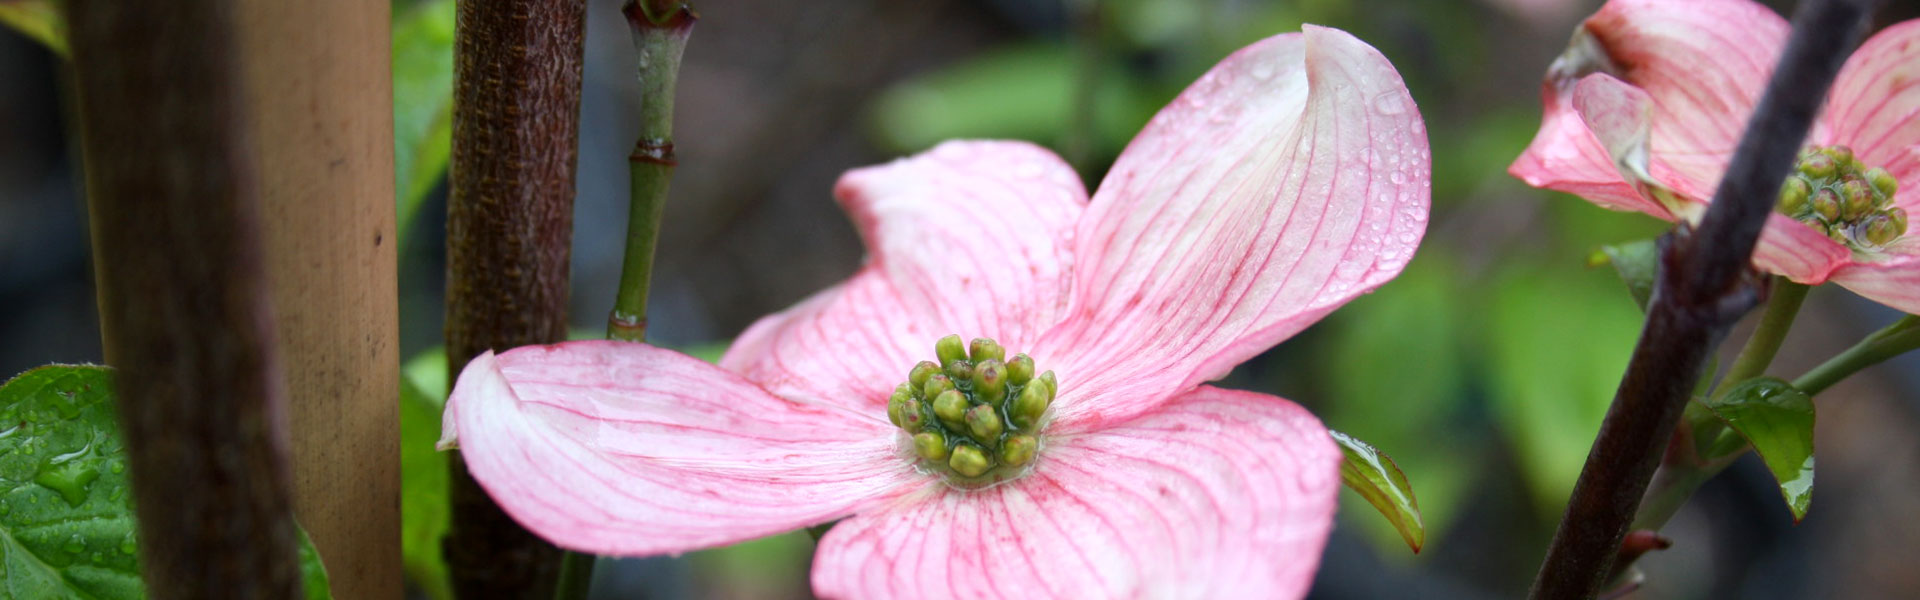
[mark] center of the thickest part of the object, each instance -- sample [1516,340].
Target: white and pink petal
[969,238]
[626,449]
[1874,106]
[1218,493]
[1286,181]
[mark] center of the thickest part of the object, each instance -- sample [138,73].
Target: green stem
[1079,142]
[1760,348]
[660,30]
[1894,340]
[576,576]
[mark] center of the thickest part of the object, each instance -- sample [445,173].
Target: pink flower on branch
[1644,109]
[1092,462]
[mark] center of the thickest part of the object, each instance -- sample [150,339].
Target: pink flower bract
[1644,111]
[1288,180]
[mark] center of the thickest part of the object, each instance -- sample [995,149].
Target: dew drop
[74,545]
[1262,71]
[126,544]
[1397,178]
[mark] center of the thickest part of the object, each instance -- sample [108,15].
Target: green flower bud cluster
[975,416]
[1852,203]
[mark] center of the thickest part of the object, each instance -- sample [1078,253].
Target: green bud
[1020,369]
[930,445]
[1856,199]
[1053,387]
[1842,155]
[985,349]
[1018,450]
[990,382]
[936,384]
[918,376]
[1899,218]
[960,370]
[1826,204]
[1817,165]
[950,349]
[1029,407]
[985,424]
[968,460]
[1882,181]
[913,415]
[951,407]
[897,405]
[1793,195]
[1879,230]
[1837,232]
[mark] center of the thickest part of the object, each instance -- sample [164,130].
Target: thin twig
[1706,283]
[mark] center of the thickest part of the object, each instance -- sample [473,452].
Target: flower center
[975,416]
[1852,203]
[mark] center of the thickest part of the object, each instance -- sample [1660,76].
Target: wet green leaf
[1373,475]
[67,513]
[1638,263]
[1778,420]
[422,102]
[37,19]
[424,509]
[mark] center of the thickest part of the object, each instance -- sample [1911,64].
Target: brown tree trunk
[517,73]
[318,80]
[172,192]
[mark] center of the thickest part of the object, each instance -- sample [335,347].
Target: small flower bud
[1028,408]
[969,461]
[950,349]
[935,385]
[1053,387]
[984,349]
[1826,204]
[1018,450]
[1879,230]
[990,382]
[1817,165]
[1899,218]
[1842,155]
[1882,181]
[918,376]
[1856,199]
[984,423]
[1020,369]
[930,445]
[951,407]
[1793,196]
[897,405]
[913,416]
[1837,231]
[960,370]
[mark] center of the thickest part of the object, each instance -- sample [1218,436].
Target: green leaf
[67,526]
[424,510]
[1373,475]
[37,19]
[1778,420]
[1558,340]
[422,102]
[1638,263]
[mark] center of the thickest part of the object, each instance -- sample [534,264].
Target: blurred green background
[1483,370]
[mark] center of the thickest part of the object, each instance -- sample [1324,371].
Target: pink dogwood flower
[1092,463]
[1644,109]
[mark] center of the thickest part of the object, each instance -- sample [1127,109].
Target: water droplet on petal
[1397,178]
[1262,71]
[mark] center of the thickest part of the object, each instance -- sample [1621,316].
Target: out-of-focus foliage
[37,19]
[1637,263]
[1374,476]
[1778,420]
[67,526]
[424,510]
[422,101]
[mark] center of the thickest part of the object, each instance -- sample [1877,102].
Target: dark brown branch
[1705,285]
[172,195]
[517,74]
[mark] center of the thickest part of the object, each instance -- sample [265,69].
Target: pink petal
[626,449]
[970,238]
[1287,180]
[1875,105]
[1893,281]
[1620,117]
[1702,63]
[1791,248]
[1568,156]
[1215,494]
